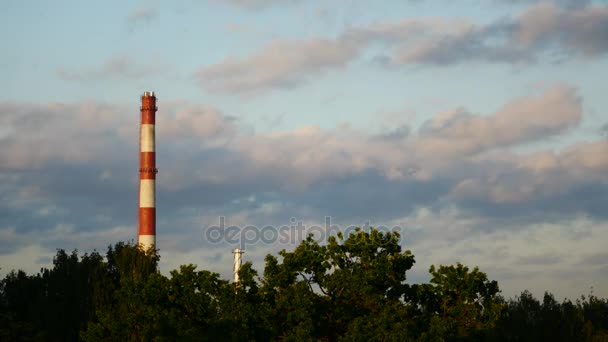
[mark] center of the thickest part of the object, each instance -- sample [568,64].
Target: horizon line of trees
[349,289]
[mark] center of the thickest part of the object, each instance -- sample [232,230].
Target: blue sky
[478,127]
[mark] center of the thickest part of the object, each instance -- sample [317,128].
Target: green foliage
[461,303]
[55,303]
[527,319]
[349,289]
[319,291]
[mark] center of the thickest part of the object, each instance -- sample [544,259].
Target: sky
[477,129]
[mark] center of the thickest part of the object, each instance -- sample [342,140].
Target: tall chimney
[147,173]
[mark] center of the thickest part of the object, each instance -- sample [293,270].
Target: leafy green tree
[323,291]
[528,319]
[349,289]
[595,313]
[56,303]
[125,310]
[459,304]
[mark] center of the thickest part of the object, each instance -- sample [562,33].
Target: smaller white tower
[238,261]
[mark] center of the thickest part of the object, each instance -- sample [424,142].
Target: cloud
[577,32]
[142,15]
[542,32]
[599,259]
[207,158]
[534,255]
[120,68]
[74,182]
[569,4]
[258,4]
[604,129]
[281,64]
[53,128]
[540,260]
[542,29]
[286,64]
[544,185]
[523,120]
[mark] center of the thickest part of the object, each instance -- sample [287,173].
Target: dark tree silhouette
[348,289]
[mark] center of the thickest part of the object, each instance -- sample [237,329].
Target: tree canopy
[352,288]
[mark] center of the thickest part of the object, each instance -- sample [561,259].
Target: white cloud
[452,199]
[523,39]
[143,14]
[280,64]
[519,121]
[520,256]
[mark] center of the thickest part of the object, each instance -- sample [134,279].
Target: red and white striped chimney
[147,173]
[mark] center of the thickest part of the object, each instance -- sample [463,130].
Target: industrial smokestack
[147,173]
[238,261]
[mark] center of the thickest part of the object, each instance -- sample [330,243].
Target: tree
[349,289]
[124,310]
[324,291]
[459,304]
[56,303]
